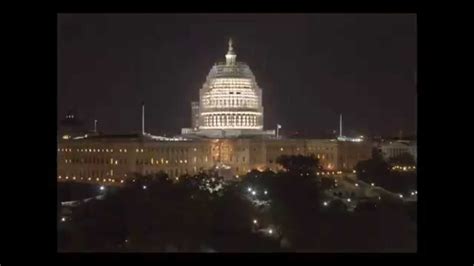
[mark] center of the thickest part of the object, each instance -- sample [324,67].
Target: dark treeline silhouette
[299,163]
[379,171]
[159,214]
[306,225]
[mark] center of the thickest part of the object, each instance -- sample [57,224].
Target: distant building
[392,149]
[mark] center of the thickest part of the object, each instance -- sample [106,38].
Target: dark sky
[310,68]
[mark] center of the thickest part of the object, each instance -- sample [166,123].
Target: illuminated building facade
[111,159]
[230,101]
[395,148]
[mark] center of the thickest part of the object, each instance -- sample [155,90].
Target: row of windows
[151,161]
[95,160]
[230,120]
[237,158]
[178,171]
[97,179]
[298,149]
[398,151]
[320,148]
[208,119]
[319,156]
[157,162]
[90,150]
[167,150]
[231,102]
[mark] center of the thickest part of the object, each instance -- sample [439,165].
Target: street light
[265,192]
[144,187]
[249,189]
[325,203]
[400,195]
[63,219]
[254,193]
[270,231]
[349,200]
[372,184]
[254,221]
[356,185]
[102,188]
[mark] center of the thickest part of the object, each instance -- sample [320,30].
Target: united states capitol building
[230,102]
[227,134]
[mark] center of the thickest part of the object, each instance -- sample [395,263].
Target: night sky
[310,68]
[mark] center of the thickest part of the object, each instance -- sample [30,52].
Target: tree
[327,183]
[373,170]
[378,171]
[164,214]
[298,163]
[295,200]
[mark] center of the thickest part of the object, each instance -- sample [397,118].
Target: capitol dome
[230,98]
